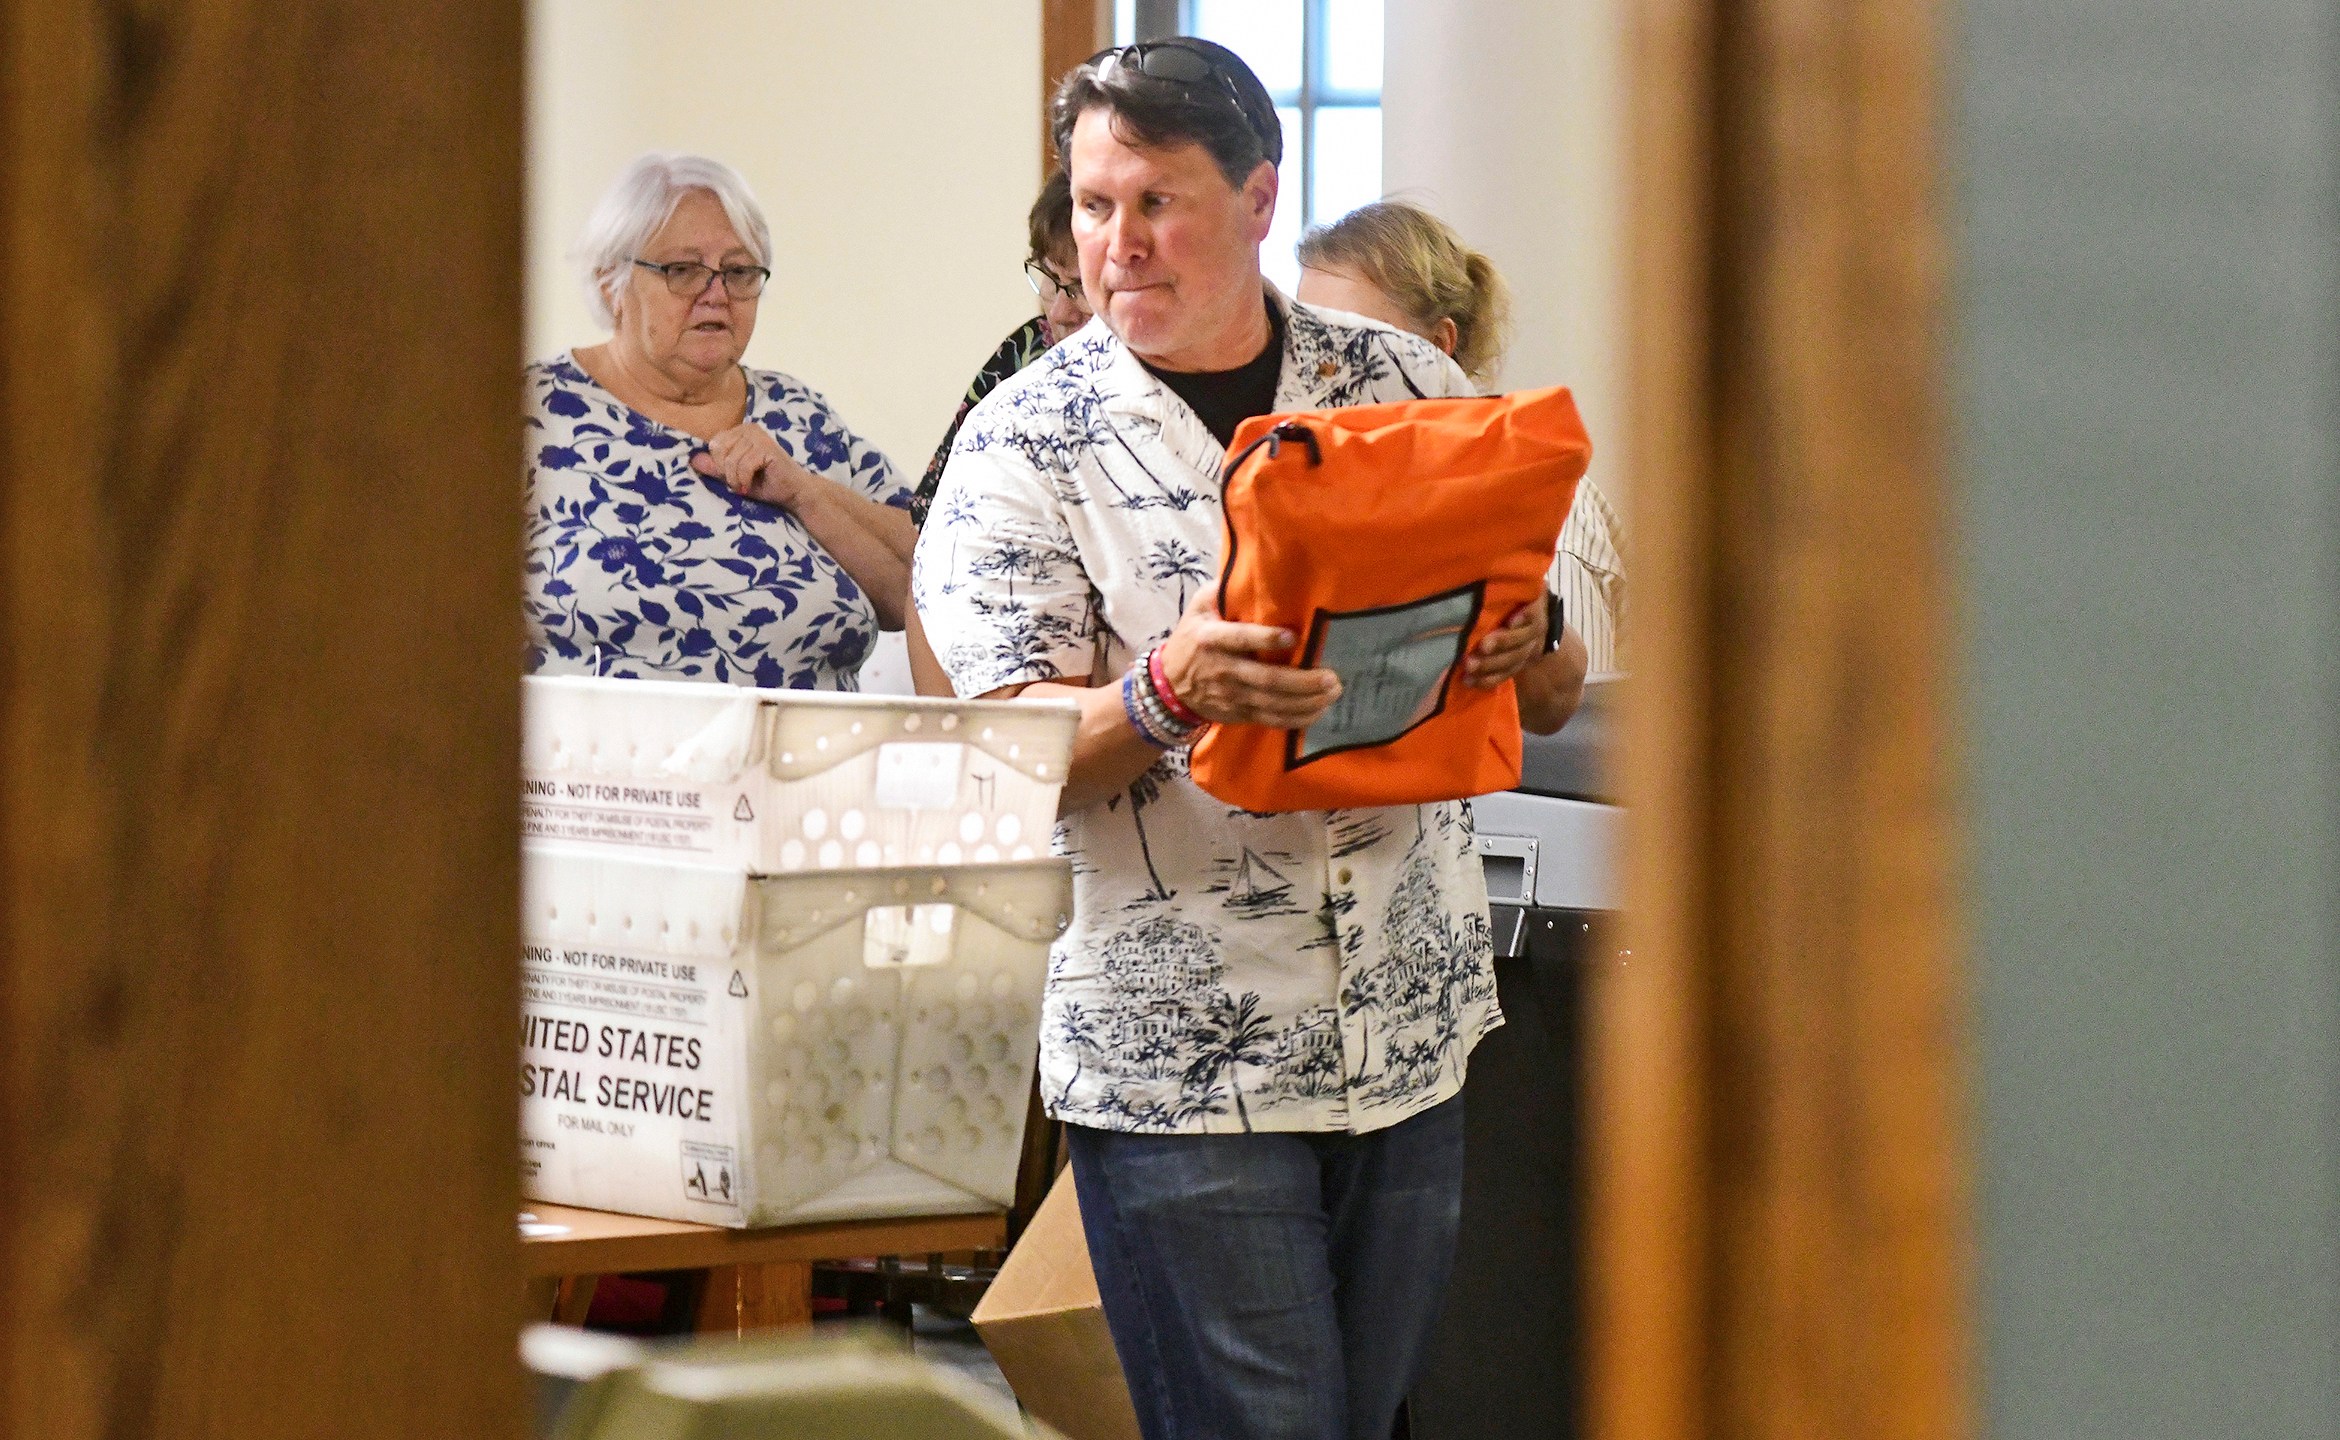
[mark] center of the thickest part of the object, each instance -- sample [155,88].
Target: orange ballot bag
[1391,539]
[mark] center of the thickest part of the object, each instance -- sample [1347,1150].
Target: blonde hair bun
[1426,270]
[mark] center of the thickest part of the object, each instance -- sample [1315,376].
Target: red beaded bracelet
[1178,708]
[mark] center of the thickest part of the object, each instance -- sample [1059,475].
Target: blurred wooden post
[1070,32]
[1778,1172]
[259,451]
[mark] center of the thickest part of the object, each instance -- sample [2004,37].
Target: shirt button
[1343,877]
[1327,369]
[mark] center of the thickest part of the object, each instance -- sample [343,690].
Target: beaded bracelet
[1158,715]
[1174,717]
[1130,708]
[1149,715]
[1160,718]
[1160,677]
[1143,718]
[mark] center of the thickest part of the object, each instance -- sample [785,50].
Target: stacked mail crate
[783,951]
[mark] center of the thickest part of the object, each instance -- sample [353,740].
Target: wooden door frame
[259,441]
[1777,1189]
[1070,32]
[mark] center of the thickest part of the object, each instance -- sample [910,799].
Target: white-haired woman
[689,518]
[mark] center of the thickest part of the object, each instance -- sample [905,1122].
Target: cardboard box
[699,1043]
[778,781]
[1045,1327]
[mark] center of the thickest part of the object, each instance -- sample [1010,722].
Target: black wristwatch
[1555,620]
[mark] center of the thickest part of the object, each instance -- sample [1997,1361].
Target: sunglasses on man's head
[1178,64]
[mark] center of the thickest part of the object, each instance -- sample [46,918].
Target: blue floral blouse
[640,567]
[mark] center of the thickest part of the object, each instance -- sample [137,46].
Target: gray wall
[2147,242]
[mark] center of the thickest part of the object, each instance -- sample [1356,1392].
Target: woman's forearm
[834,516]
[888,524]
[1552,687]
[927,675]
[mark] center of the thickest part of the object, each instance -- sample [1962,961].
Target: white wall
[893,143]
[1505,118]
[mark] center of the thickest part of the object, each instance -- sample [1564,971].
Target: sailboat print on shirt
[1253,887]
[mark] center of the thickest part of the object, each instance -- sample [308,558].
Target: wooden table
[757,1279]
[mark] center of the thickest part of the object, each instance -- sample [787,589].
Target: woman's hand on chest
[749,460]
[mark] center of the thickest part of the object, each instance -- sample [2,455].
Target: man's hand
[1512,647]
[1208,661]
[750,461]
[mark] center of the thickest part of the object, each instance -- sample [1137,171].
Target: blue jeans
[1272,1286]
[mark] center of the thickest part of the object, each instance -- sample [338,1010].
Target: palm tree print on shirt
[1233,1035]
[958,514]
[1010,558]
[1144,791]
[1077,1030]
[1174,561]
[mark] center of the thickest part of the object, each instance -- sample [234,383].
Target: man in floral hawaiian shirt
[1257,1024]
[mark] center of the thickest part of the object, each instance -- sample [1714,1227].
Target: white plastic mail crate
[701,1044]
[783,780]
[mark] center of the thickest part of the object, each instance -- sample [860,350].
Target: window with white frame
[1321,63]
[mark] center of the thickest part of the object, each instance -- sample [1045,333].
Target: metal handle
[1510,865]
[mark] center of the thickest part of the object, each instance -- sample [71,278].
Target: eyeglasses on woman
[689,278]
